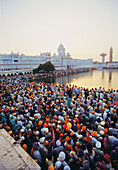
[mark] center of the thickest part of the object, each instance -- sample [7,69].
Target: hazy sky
[85,27]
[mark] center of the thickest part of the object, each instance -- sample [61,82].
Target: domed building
[61,51]
[61,62]
[14,63]
[68,55]
[54,55]
[65,62]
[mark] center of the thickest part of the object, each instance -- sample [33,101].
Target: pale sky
[86,28]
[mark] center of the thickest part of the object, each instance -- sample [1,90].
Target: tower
[103,57]
[61,53]
[61,50]
[110,55]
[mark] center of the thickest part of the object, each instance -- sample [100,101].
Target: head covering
[106,130]
[67,138]
[10,132]
[45,125]
[79,136]
[22,137]
[46,130]
[100,139]
[50,167]
[24,147]
[42,140]
[83,127]
[92,111]
[57,129]
[101,132]
[58,143]
[98,145]
[102,123]
[36,116]
[72,154]
[88,139]
[69,147]
[94,133]
[53,124]
[37,133]
[67,167]
[39,123]
[22,130]
[57,164]
[61,156]
[69,125]
[107,158]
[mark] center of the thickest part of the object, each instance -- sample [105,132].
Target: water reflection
[47,80]
[103,74]
[69,79]
[93,79]
[110,75]
[104,78]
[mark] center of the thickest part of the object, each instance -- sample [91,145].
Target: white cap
[18,118]
[79,136]
[22,130]
[101,132]
[98,145]
[102,123]
[53,124]
[42,140]
[62,156]
[22,137]
[46,130]
[37,133]
[66,167]
[58,143]
[57,164]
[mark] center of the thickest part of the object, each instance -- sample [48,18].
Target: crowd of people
[61,126]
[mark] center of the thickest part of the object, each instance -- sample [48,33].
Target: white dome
[68,55]
[61,46]
[54,55]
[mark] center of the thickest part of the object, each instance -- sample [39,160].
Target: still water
[93,79]
[96,78]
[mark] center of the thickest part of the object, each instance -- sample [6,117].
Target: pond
[93,79]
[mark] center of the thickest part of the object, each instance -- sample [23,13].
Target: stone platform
[13,156]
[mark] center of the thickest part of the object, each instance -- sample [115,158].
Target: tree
[48,66]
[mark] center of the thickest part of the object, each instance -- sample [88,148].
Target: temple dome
[61,46]
[68,55]
[54,55]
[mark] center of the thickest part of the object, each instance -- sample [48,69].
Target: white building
[111,65]
[61,61]
[107,65]
[78,63]
[20,63]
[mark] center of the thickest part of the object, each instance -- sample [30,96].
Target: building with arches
[21,63]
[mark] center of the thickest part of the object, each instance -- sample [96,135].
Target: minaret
[61,53]
[110,55]
[103,57]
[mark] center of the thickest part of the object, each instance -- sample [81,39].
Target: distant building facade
[22,63]
[107,65]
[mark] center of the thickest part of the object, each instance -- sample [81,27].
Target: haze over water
[87,28]
[93,79]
